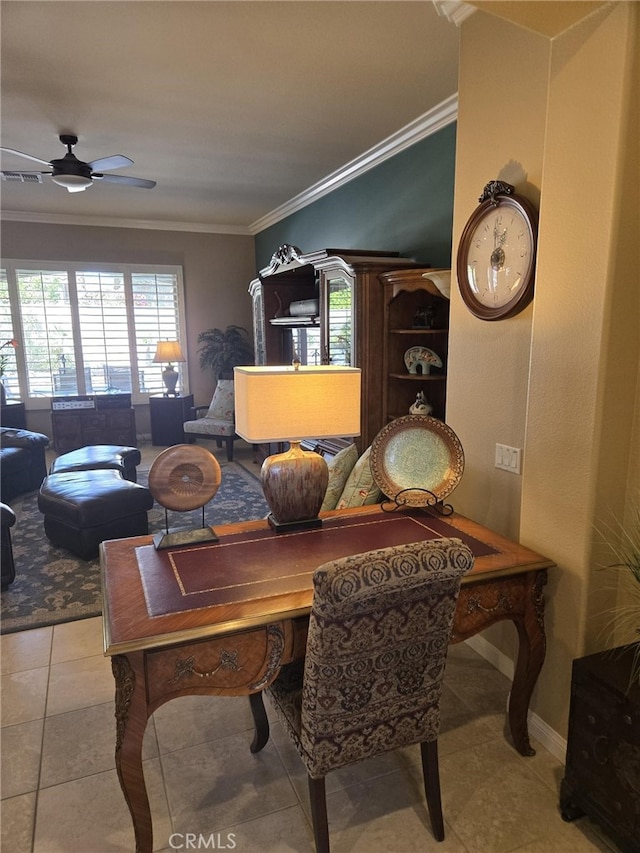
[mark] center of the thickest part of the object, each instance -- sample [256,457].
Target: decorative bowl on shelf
[421,360]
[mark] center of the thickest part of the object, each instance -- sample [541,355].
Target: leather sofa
[7,567]
[22,462]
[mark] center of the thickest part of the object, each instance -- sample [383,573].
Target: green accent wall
[403,205]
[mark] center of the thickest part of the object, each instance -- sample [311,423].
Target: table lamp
[276,403]
[169,351]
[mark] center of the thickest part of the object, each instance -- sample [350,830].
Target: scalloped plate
[413,453]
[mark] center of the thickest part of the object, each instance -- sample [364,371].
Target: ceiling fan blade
[28,156]
[126,179]
[116,161]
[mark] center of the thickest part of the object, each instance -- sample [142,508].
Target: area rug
[54,586]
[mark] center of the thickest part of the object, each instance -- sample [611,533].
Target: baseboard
[538,729]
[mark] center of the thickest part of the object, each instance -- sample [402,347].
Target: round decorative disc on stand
[182,478]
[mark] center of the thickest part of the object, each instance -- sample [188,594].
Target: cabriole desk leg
[131,721]
[260,722]
[518,599]
[532,648]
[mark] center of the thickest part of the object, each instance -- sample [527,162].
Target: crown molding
[422,127]
[425,125]
[115,222]
[453,10]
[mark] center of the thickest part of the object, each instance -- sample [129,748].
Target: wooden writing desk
[223,618]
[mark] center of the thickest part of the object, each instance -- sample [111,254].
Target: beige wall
[217,270]
[559,380]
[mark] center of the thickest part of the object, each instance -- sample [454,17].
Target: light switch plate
[508,458]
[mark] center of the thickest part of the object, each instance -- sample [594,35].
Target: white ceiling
[234,108]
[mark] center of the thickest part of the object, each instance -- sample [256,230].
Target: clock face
[496,258]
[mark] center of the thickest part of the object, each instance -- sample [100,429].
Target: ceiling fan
[73,174]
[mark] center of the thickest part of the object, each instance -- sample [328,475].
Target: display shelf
[411,300]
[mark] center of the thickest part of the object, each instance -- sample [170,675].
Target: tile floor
[60,791]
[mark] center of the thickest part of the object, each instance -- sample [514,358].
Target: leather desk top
[254,576]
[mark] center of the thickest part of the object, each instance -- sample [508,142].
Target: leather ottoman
[83,508]
[97,457]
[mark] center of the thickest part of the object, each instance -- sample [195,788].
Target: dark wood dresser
[602,774]
[110,419]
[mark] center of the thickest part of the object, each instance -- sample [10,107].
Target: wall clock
[497,254]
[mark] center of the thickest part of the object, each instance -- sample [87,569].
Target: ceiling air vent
[22,177]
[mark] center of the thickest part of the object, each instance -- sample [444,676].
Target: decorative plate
[422,358]
[184,477]
[413,454]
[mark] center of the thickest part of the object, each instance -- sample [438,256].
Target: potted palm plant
[625,546]
[4,360]
[221,350]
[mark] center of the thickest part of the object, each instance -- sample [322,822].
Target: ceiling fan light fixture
[72,183]
[76,175]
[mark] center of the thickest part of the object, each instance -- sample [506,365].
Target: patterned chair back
[376,651]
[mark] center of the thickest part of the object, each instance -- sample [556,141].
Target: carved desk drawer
[244,662]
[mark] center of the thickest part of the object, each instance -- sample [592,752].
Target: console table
[222,618]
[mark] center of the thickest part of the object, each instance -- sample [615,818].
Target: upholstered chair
[372,677]
[219,420]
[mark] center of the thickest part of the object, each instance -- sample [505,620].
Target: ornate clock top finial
[494,188]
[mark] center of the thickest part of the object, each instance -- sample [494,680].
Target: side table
[167,414]
[13,415]
[602,773]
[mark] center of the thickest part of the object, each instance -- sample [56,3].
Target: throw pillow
[339,469]
[360,488]
[222,406]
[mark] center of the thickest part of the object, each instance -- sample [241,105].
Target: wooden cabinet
[326,307]
[416,318]
[73,428]
[167,415]
[602,773]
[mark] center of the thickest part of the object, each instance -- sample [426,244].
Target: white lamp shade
[168,351]
[285,404]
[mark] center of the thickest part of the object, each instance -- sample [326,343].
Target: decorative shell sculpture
[421,360]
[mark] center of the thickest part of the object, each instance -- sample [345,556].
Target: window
[87,328]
